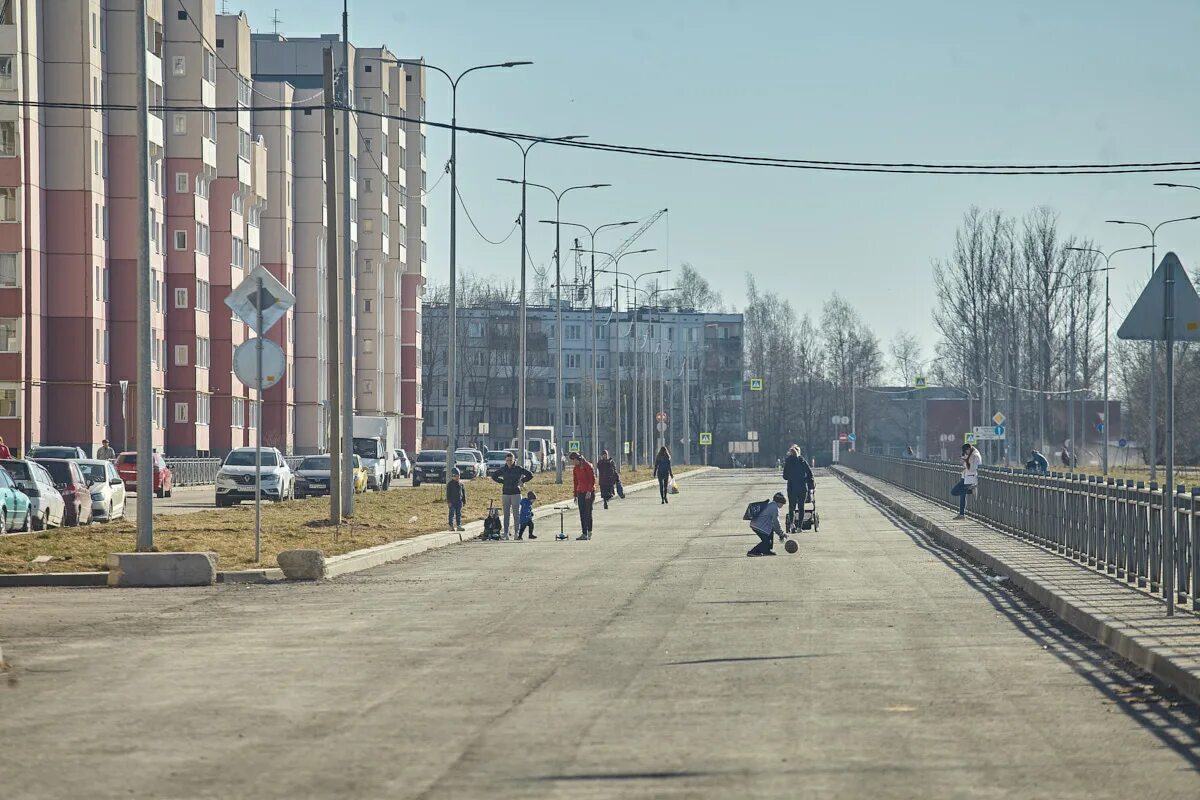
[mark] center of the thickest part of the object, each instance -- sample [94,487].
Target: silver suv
[235,479]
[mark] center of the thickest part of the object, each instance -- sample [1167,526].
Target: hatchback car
[362,475]
[403,464]
[46,505]
[164,478]
[107,488]
[235,478]
[74,489]
[14,505]
[56,451]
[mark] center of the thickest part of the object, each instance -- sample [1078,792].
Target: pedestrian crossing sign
[919,382]
[706,439]
[756,384]
[968,438]
[573,446]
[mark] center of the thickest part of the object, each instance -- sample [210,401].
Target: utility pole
[686,409]
[145,387]
[332,299]
[347,281]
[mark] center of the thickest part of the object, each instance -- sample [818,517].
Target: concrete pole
[347,282]
[523,364]
[332,305]
[686,409]
[145,387]
[1153,375]
[558,418]
[633,448]
[595,373]
[1169,400]
[258,357]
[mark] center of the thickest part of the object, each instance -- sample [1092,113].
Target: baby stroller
[492,525]
[809,518]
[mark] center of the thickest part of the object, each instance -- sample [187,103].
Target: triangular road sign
[1145,319]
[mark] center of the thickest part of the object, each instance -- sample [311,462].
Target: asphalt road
[654,661]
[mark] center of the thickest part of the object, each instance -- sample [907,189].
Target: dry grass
[379,519]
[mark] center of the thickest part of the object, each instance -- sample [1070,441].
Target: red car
[76,495]
[164,481]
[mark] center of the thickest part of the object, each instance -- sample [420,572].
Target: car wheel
[27,523]
[416,481]
[109,518]
[39,523]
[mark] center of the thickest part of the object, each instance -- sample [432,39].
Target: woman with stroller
[607,476]
[800,484]
[662,471]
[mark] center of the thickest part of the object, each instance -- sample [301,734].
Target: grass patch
[229,532]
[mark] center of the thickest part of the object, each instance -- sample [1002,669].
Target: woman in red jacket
[585,492]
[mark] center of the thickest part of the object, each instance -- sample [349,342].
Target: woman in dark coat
[662,471]
[607,476]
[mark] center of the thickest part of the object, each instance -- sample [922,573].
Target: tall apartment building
[237,179]
[688,364]
[412,279]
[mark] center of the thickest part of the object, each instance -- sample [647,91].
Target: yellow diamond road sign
[998,418]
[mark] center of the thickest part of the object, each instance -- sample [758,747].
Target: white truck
[539,440]
[375,443]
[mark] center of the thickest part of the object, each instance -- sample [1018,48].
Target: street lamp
[452,305]
[557,222]
[633,333]
[1153,348]
[522,366]
[633,330]
[1107,305]
[595,376]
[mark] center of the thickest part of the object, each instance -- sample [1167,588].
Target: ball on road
[791,545]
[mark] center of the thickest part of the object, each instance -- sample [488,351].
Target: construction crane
[625,245]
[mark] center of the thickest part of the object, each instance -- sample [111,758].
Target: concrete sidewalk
[1132,623]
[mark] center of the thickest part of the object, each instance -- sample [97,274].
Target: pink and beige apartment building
[237,179]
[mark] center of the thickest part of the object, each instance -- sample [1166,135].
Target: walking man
[971,460]
[585,492]
[606,471]
[510,477]
[799,483]
[106,453]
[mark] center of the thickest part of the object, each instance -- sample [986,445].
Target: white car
[235,478]
[46,506]
[107,488]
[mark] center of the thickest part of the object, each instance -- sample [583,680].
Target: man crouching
[766,525]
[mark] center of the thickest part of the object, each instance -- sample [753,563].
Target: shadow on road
[1171,717]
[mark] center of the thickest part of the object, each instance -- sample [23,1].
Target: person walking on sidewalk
[607,475]
[456,498]
[799,483]
[106,453]
[527,516]
[585,492]
[662,471]
[971,460]
[510,477]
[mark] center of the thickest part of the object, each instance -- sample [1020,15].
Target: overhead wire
[511,231]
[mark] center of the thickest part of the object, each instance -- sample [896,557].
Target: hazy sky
[875,80]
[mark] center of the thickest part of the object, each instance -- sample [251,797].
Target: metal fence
[1112,525]
[203,471]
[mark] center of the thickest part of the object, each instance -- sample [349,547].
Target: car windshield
[60,471]
[315,462]
[245,458]
[93,473]
[127,458]
[19,470]
[432,457]
[366,448]
[54,452]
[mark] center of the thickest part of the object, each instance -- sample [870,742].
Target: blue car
[14,505]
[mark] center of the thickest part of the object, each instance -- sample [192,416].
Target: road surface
[654,661]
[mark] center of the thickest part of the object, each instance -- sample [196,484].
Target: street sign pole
[258,356]
[1169,488]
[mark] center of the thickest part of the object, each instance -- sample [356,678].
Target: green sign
[756,384]
[968,438]
[706,439]
[627,448]
[919,382]
[573,446]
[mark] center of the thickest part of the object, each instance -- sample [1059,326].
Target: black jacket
[797,473]
[456,492]
[662,467]
[512,476]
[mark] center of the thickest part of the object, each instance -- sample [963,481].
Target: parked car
[74,489]
[403,464]
[56,451]
[430,467]
[495,460]
[312,476]
[235,478]
[470,463]
[14,505]
[164,479]
[46,505]
[107,488]
[362,475]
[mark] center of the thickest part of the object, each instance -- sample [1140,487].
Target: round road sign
[245,363]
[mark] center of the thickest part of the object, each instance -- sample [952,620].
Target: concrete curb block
[68,579]
[1167,666]
[161,569]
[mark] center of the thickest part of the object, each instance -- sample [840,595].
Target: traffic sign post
[706,439]
[998,418]
[573,446]
[756,384]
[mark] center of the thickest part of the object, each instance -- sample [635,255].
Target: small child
[766,525]
[491,524]
[456,498]
[526,516]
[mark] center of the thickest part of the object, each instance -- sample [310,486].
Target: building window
[202,238]
[181,182]
[202,295]
[367,306]
[9,402]
[574,332]
[9,208]
[238,253]
[179,66]
[181,240]
[368,345]
[181,355]
[181,298]
[8,138]
[238,412]
[202,353]
[10,335]
[573,360]
[210,66]
[179,124]
[368,225]
[210,125]
[7,65]
[6,13]
[203,409]
[243,144]
[181,412]
[10,271]
[424,253]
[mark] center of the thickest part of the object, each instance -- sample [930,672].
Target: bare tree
[907,363]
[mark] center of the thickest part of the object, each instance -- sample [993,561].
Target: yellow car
[360,476]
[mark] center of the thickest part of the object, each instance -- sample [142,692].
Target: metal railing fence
[202,471]
[1113,525]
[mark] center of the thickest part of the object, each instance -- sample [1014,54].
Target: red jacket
[585,477]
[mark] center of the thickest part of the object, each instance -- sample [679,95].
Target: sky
[943,81]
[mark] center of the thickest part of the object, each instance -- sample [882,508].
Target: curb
[1166,665]
[345,564]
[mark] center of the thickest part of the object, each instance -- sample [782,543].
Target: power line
[476,227]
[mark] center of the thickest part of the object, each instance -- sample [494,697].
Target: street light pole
[144,391]
[1107,306]
[1153,348]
